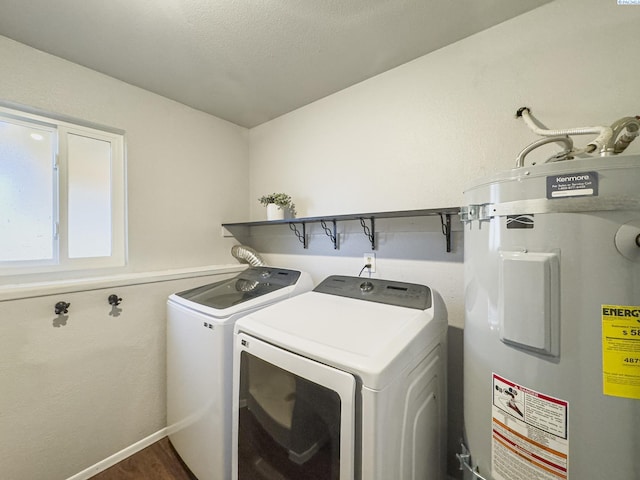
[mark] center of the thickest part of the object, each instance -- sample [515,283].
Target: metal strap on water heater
[487,211]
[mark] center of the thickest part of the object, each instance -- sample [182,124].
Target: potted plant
[276,204]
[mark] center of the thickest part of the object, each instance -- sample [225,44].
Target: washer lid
[248,285]
[373,341]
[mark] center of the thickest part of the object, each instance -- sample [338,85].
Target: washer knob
[366,287]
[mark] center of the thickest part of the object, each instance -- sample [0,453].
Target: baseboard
[119,456]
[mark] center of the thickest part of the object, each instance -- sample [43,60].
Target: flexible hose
[604,133]
[248,255]
[543,141]
[632,126]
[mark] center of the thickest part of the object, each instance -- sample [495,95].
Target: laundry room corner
[458,176]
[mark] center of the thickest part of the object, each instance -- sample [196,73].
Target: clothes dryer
[344,382]
[200,325]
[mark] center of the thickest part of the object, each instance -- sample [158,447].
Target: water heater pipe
[632,126]
[566,155]
[604,133]
[248,255]
[465,463]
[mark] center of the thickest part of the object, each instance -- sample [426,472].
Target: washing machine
[200,325]
[347,381]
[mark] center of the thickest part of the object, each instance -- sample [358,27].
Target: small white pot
[274,212]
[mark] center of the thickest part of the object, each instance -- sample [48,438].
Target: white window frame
[61,261]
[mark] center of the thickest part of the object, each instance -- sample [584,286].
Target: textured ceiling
[247,61]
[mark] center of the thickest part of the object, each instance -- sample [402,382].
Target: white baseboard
[119,456]
[102,465]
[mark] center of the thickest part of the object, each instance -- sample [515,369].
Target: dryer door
[293,418]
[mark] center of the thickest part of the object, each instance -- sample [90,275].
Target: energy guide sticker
[621,350]
[530,435]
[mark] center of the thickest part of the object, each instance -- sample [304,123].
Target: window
[62,195]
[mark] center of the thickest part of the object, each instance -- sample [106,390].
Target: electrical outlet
[370,259]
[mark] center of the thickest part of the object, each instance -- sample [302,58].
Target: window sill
[39,289]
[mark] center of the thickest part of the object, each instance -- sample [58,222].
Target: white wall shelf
[367,221]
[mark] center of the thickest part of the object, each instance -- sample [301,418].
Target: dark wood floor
[158,461]
[264,461]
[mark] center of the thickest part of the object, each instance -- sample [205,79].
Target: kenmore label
[583,184]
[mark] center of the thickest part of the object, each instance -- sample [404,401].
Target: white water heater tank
[552,329]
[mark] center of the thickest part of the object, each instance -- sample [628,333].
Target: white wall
[416,136]
[187,171]
[421,132]
[74,393]
[80,387]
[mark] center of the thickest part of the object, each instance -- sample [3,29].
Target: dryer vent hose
[247,255]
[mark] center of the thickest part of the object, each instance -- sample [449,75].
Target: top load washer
[200,325]
[347,381]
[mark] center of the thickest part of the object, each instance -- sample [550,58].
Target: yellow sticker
[621,350]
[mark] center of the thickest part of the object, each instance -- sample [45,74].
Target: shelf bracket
[331,233]
[302,237]
[446,228]
[369,231]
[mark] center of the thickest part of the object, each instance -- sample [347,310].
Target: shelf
[367,221]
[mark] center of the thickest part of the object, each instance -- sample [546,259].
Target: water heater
[552,329]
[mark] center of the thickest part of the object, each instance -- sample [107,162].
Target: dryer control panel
[401,294]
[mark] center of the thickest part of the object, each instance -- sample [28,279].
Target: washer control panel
[401,294]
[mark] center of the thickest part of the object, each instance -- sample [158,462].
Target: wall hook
[114,300]
[62,307]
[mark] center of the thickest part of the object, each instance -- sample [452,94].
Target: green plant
[281,199]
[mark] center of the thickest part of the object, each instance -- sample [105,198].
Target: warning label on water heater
[530,437]
[621,350]
[580,184]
